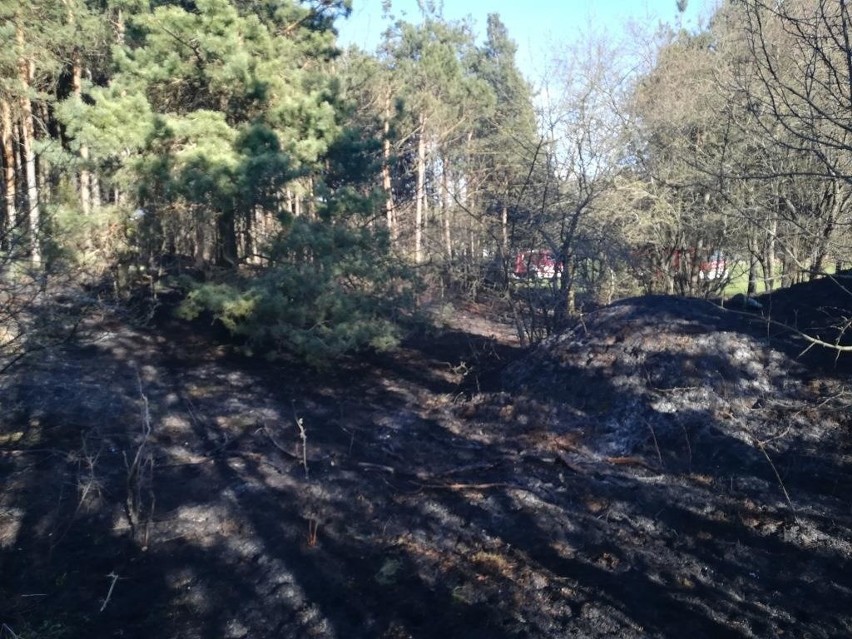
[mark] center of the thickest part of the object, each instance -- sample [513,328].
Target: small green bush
[331,292]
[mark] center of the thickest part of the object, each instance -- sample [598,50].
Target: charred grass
[460,487]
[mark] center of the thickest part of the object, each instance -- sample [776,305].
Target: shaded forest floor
[661,470]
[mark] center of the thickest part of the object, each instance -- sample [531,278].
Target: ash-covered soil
[821,308]
[663,469]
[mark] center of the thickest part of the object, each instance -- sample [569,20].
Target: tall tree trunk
[420,194]
[504,227]
[27,130]
[296,207]
[10,219]
[835,201]
[244,234]
[84,177]
[769,256]
[95,185]
[570,292]
[118,25]
[227,239]
[387,184]
[446,205]
[751,288]
[312,200]
[200,244]
[289,202]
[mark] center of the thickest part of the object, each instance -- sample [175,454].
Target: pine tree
[198,86]
[223,126]
[441,99]
[509,132]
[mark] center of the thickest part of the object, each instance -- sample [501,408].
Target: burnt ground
[821,308]
[663,469]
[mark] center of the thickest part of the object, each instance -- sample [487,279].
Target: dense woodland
[307,195]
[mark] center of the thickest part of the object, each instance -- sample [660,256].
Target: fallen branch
[114,578]
[563,457]
[303,435]
[812,341]
[279,446]
[630,461]
[7,629]
[140,472]
[656,444]
[466,468]
[473,486]
[424,476]
[778,477]
[368,466]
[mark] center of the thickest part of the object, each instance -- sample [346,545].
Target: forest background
[310,197]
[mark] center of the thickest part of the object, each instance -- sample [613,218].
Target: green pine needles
[329,293]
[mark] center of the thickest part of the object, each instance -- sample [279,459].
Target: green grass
[739,281]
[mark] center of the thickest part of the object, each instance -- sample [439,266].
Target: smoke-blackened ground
[662,469]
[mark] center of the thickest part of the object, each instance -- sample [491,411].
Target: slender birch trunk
[504,226]
[27,132]
[387,184]
[447,208]
[420,195]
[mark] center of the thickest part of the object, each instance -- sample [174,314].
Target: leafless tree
[801,97]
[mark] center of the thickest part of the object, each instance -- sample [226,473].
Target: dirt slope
[658,471]
[669,372]
[821,308]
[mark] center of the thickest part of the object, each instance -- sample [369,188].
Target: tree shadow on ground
[407,515]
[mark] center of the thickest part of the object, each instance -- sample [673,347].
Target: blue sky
[538,26]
